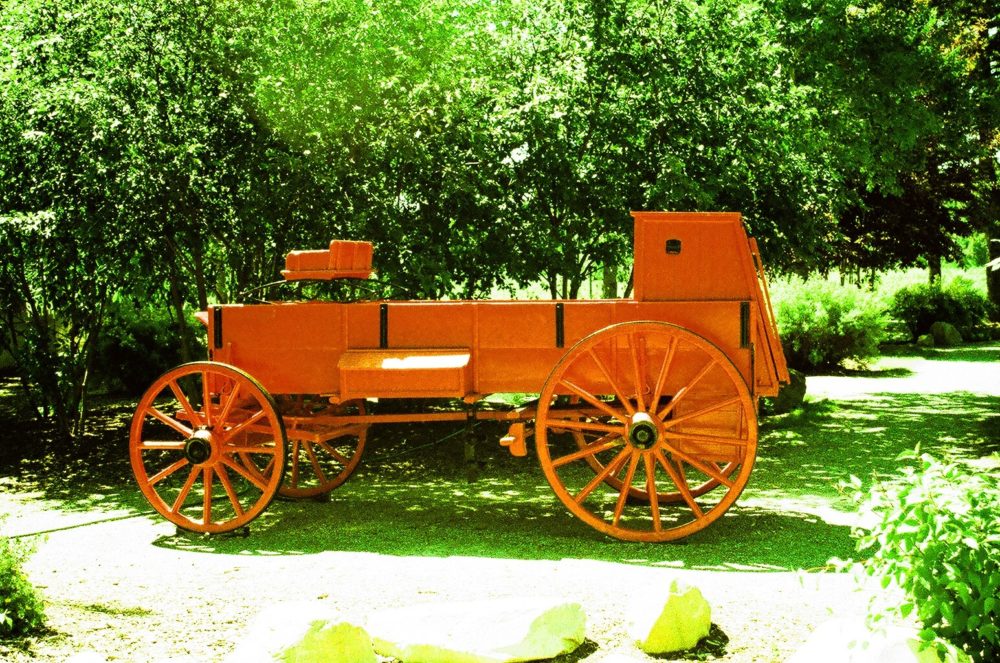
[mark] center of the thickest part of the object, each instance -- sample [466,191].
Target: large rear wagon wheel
[207,447]
[654,413]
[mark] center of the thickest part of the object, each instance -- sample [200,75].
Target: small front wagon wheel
[207,447]
[655,413]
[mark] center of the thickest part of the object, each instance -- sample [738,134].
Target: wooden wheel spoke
[593,400]
[296,445]
[608,470]
[661,379]
[702,467]
[243,425]
[228,406]
[707,439]
[654,498]
[167,471]
[206,400]
[680,482]
[207,502]
[315,463]
[181,496]
[637,372]
[686,389]
[614,386]
[597,446]
[337,456]
[702,412]
[576,424]
[185,403]
[257,481]
[227,485]
[162,445]
[626,486]
[170,421]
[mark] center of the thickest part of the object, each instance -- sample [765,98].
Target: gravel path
[115,589]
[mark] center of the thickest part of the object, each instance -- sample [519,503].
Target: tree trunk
[177,301]
[609,282]
[934,269]
[629,284]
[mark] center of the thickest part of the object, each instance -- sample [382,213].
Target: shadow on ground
[501,518]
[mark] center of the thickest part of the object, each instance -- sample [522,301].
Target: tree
[60,215]
[892,84]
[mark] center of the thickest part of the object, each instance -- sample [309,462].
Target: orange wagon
[645,423]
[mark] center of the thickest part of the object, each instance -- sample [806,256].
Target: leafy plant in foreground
[21,610]
[935,537]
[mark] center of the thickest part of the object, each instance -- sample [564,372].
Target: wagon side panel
[290,348]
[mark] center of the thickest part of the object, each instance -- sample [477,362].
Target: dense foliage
[823,324]
[959,302]
[935,538]
[21,610]
[172,153]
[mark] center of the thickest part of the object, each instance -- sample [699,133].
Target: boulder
[672,619]
[303,632]
[945,334]
[488,631]
[791,395]
[925,341]
[852,641]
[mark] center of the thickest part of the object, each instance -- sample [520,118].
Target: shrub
[136,346]
[935,538]
[823,324]
[21,610]
[960,303]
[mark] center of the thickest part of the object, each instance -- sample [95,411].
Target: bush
[823,324]
[136,347]
[960,303]
[21,610]
[935,538]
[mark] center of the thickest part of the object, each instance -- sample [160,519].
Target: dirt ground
[120,582]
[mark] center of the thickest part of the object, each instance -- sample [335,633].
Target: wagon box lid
[343,260]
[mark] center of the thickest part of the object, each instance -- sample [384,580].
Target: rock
[852,641]
[925,341]
[945,334]
[303,632]
[674,620]
[791,395]
[494,631]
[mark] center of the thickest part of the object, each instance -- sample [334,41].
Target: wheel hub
[642,431]
[198,448]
